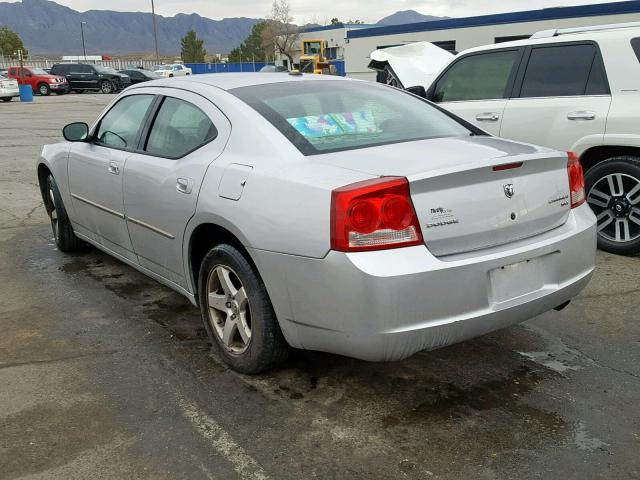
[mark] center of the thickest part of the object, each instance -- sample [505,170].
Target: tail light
[374,215]
[576,180]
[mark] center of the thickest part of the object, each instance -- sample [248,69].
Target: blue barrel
[26,94]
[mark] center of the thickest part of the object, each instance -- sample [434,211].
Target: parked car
[40,81]
[83,77]
[175,70]
[138,75]
[9,88]
[571,89]
[322,213]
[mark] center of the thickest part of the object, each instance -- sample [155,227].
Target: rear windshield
[332,116]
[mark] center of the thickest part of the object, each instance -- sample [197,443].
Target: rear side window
[563,71]
[178,129]
[635,43]
[477,77]
[119,128]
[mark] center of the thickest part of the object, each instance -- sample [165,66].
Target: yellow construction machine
[313,60]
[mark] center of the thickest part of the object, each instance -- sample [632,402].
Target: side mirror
[418,90]
[76,132]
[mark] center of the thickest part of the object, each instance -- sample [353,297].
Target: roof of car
[565,37]
[228,81]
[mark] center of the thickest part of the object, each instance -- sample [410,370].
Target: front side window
[635,43]
[330,116]
[119,128]
[477,77]
[564,70]
[178,129]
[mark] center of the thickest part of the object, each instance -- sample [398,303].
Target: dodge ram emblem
[509,191]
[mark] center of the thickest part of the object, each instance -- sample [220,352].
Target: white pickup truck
[574,89]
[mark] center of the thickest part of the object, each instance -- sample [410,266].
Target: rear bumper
[9,92]
[388,305]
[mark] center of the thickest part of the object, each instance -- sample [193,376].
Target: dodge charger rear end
[327,214]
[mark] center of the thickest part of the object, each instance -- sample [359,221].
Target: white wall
[357,50]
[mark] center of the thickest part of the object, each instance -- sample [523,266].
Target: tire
[44,90]
[613,193]
[254,315]
[7,99]
[106,87]
[63,234]
[170,75]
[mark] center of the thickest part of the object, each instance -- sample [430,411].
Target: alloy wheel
[615,199]
[229,313]
[106,87]
[44,90]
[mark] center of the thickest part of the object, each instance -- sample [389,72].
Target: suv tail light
[576,180]
[374,215]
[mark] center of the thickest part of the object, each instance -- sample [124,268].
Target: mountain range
[49,28]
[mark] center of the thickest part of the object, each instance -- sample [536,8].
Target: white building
[458,34]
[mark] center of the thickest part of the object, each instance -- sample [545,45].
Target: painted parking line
[246,466]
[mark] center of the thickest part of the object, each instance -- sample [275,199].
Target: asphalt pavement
[105,374]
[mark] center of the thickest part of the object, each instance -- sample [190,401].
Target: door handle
[582,116]
[114,168]
[488,117]
[184,185]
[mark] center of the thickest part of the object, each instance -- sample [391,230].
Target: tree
[10,43]
[252,47]
[280,33]
[192,50]
[335,21]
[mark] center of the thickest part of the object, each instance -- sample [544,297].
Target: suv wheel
[106,86]
[613,193]
[63,234]
[237,312]
[43,89]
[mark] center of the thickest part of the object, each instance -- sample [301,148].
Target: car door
[162,180]
[562,96]
[476,87]
[95,173]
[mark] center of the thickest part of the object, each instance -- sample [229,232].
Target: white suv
[574,89]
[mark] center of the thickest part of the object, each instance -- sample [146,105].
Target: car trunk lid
[464,196]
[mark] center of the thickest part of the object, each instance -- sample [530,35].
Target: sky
[315,11]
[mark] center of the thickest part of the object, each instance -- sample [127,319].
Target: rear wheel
[43,89]
[7,99]
[613,193]
[63,234]
[106,86]
[237,312]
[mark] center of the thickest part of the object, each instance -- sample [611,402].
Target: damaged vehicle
[569,89]
[322,213]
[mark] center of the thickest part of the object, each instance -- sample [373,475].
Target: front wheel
[43,89]
[613,193]
[237,312]
[106,87]
[63,234]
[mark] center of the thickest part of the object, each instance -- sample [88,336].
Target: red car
[41,82]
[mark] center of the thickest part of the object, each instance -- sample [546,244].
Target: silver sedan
[322,213]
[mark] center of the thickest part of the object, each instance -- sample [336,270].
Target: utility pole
[155,31]
[84,50]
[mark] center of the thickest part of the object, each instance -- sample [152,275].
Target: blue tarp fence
[199,68]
